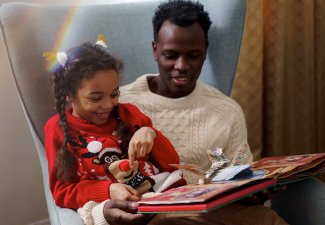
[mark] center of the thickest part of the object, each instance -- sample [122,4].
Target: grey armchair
[128,29]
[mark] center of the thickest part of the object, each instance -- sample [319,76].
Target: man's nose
[181,64]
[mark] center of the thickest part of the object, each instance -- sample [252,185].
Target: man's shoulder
[141,81]
[132,91]
[215,98]
[214,94]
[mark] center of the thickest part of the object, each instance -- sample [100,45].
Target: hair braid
[123,130]
[65,161]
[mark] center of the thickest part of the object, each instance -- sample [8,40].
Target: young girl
[82,140]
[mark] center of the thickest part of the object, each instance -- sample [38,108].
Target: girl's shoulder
[128,108]
[52,128]
[52,122]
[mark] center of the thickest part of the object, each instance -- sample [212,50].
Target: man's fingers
[127,206]
[139,219]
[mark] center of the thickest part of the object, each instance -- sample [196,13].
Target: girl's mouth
[102,116]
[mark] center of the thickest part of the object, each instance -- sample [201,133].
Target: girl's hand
[123,192]
[141,143]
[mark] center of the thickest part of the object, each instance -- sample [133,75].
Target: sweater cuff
[101,192]
[92,213]
[97,214]
[158,141]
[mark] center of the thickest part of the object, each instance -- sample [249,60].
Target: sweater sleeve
[237,142]
[92,213]
[69,194]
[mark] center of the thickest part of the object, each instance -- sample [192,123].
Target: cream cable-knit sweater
[205,119]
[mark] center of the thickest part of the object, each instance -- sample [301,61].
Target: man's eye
[170,56]
[195,56]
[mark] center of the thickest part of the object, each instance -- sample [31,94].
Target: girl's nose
[107,104]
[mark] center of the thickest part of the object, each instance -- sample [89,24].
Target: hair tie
[101,40]
[62,57]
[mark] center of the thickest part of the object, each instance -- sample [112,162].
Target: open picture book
[291,168]
[232,183]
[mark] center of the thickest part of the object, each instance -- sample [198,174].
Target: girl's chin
[99,122]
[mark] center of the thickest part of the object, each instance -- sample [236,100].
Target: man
[194,116]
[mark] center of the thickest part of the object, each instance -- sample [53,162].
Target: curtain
[280,80]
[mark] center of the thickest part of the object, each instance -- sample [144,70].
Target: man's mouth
[180,81]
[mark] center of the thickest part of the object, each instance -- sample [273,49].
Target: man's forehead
[170,32]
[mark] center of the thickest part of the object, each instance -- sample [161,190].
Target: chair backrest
[31,29]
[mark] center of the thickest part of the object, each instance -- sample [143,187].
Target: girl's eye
[95,99]
[116,94]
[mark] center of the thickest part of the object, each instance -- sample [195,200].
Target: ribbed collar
[84,126]
[187,101]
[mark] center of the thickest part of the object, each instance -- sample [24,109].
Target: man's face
[180,53]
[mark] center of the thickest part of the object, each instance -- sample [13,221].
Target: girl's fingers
[143,151]
[132,155]
[132,190]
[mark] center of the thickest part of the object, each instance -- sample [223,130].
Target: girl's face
[97,97]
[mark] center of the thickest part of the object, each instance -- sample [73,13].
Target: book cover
[201,198]
[232,183]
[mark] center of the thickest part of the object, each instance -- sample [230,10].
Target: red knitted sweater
[92,181]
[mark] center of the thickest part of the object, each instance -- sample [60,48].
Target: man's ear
[154,50]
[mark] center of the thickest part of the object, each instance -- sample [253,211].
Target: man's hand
[118,212]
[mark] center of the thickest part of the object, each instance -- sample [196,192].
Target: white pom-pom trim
[62,58]
[94,146]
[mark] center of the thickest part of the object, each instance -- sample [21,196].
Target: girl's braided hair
[82,64]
